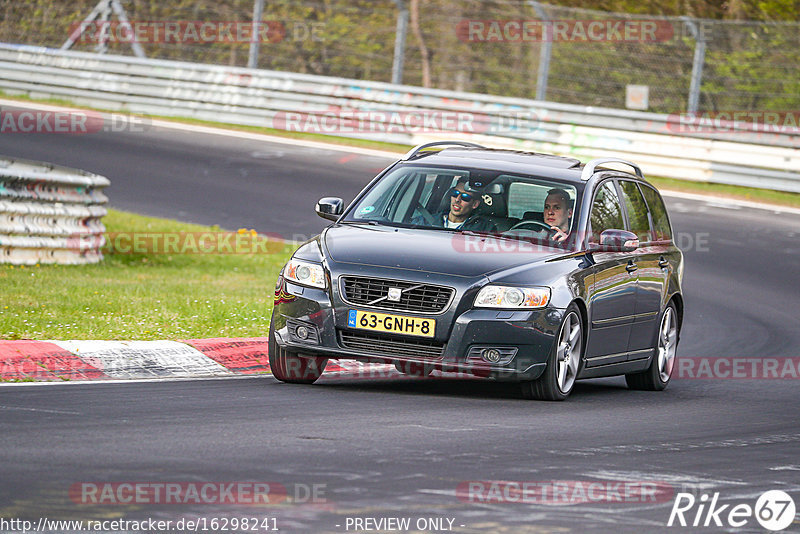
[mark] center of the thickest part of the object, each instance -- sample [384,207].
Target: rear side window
[636,209]
[606,211]
[524,198]
[660,221]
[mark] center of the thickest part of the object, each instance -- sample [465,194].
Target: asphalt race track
[403,448]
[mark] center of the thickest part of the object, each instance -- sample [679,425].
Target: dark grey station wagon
[526,267]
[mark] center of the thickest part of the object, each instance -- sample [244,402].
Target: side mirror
[614,240]
[330,208]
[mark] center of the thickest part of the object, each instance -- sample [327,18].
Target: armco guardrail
[50,214]
[755,157]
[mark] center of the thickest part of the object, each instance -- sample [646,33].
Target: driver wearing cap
[462,214]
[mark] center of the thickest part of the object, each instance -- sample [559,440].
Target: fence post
[544,52]
[697,63]
[400,42]
[258,10]
[103,10]
[123,18]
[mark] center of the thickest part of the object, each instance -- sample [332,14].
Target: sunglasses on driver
[466,197]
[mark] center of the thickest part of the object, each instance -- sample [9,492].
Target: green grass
[143,296]
[728,191]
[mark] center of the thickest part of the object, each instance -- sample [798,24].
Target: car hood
[429,250]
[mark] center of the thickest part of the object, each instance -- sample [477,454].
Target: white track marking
[59,412]
[130,381]
[144,359]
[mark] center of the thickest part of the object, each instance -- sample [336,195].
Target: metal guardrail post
[545,52]
[697,63]
[138,51]
[258,11]
[400,42]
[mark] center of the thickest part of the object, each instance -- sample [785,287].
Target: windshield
[468,200]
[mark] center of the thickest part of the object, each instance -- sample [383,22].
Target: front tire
[657,375]
[564,362]
[288,367]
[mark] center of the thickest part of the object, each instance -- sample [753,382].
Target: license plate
[396,324]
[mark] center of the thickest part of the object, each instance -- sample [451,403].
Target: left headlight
[305,273]
[512,297]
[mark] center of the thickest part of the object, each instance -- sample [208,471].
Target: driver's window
[606,212]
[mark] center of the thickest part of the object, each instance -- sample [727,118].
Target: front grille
[415,297]
[390,346]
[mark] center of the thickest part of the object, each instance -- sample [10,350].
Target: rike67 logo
[774,510]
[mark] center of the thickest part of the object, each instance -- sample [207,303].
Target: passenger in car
[557,213]
[462,214]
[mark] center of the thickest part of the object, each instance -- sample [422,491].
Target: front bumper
[531,333]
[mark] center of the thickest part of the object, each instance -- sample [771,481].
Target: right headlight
[305,273]
[512,297]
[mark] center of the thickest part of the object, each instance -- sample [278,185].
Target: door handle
[631,267]
[663,263]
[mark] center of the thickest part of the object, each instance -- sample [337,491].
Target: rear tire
[657,375]
[288,367]
[564,363]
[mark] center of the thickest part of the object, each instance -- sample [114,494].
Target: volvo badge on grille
[394,294]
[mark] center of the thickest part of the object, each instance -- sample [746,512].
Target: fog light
[491,355]
[301,332]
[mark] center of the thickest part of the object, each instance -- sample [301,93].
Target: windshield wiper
[369,222]
[390,224]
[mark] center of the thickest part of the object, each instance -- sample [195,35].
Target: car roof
[511,161]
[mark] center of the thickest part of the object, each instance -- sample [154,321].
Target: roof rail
[590,168]
[417,149]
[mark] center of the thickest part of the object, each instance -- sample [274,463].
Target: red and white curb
[58,361]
